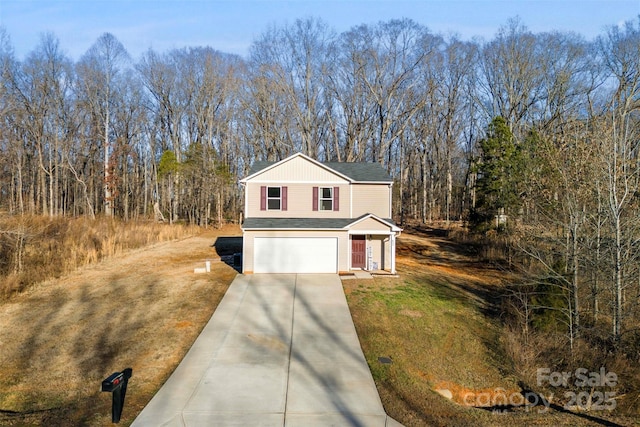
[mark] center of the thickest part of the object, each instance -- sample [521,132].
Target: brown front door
[358,250]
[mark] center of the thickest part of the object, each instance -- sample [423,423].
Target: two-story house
[304,216]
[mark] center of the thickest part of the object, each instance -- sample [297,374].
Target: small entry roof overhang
[393,228]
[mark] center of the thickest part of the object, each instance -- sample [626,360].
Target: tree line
[532,133]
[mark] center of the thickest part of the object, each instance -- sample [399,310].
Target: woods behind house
[531,139]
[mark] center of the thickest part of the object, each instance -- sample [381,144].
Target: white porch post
[393,253]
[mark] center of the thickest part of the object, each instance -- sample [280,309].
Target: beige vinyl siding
[370,224]
[249,236]
[299,202]
[300,170]
[377,244]
[371,198]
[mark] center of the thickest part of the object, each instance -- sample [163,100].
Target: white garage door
[295,255]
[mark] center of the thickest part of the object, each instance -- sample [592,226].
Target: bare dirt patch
[141,310]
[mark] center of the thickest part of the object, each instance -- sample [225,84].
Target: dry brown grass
[37,248]
[141,309]
[144,308]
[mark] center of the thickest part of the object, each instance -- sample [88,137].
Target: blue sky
[231,26]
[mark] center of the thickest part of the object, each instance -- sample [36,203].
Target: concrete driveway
[280,350]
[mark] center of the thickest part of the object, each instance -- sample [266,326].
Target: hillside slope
[440,324]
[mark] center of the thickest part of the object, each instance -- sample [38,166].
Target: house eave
[290,229]
[371,232]
[293,156]
[394,228]
[373,182]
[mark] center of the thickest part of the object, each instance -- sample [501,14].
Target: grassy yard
[439,324]
[142,309]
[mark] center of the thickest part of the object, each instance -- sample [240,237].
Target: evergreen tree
[498,171]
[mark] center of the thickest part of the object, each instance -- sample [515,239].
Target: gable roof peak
[351,171]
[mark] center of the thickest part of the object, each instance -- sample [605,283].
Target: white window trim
[321,199]
[274,198]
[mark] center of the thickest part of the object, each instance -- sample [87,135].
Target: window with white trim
[326,198]
[274,198]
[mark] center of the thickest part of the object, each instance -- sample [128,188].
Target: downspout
[390,200]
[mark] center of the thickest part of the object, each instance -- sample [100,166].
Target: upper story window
[273,198]
[326,198]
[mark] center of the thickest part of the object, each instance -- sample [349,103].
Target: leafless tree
[511,76]
[619,53]
[99,70]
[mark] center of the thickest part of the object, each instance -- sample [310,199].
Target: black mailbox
[112,381]
[116,384]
